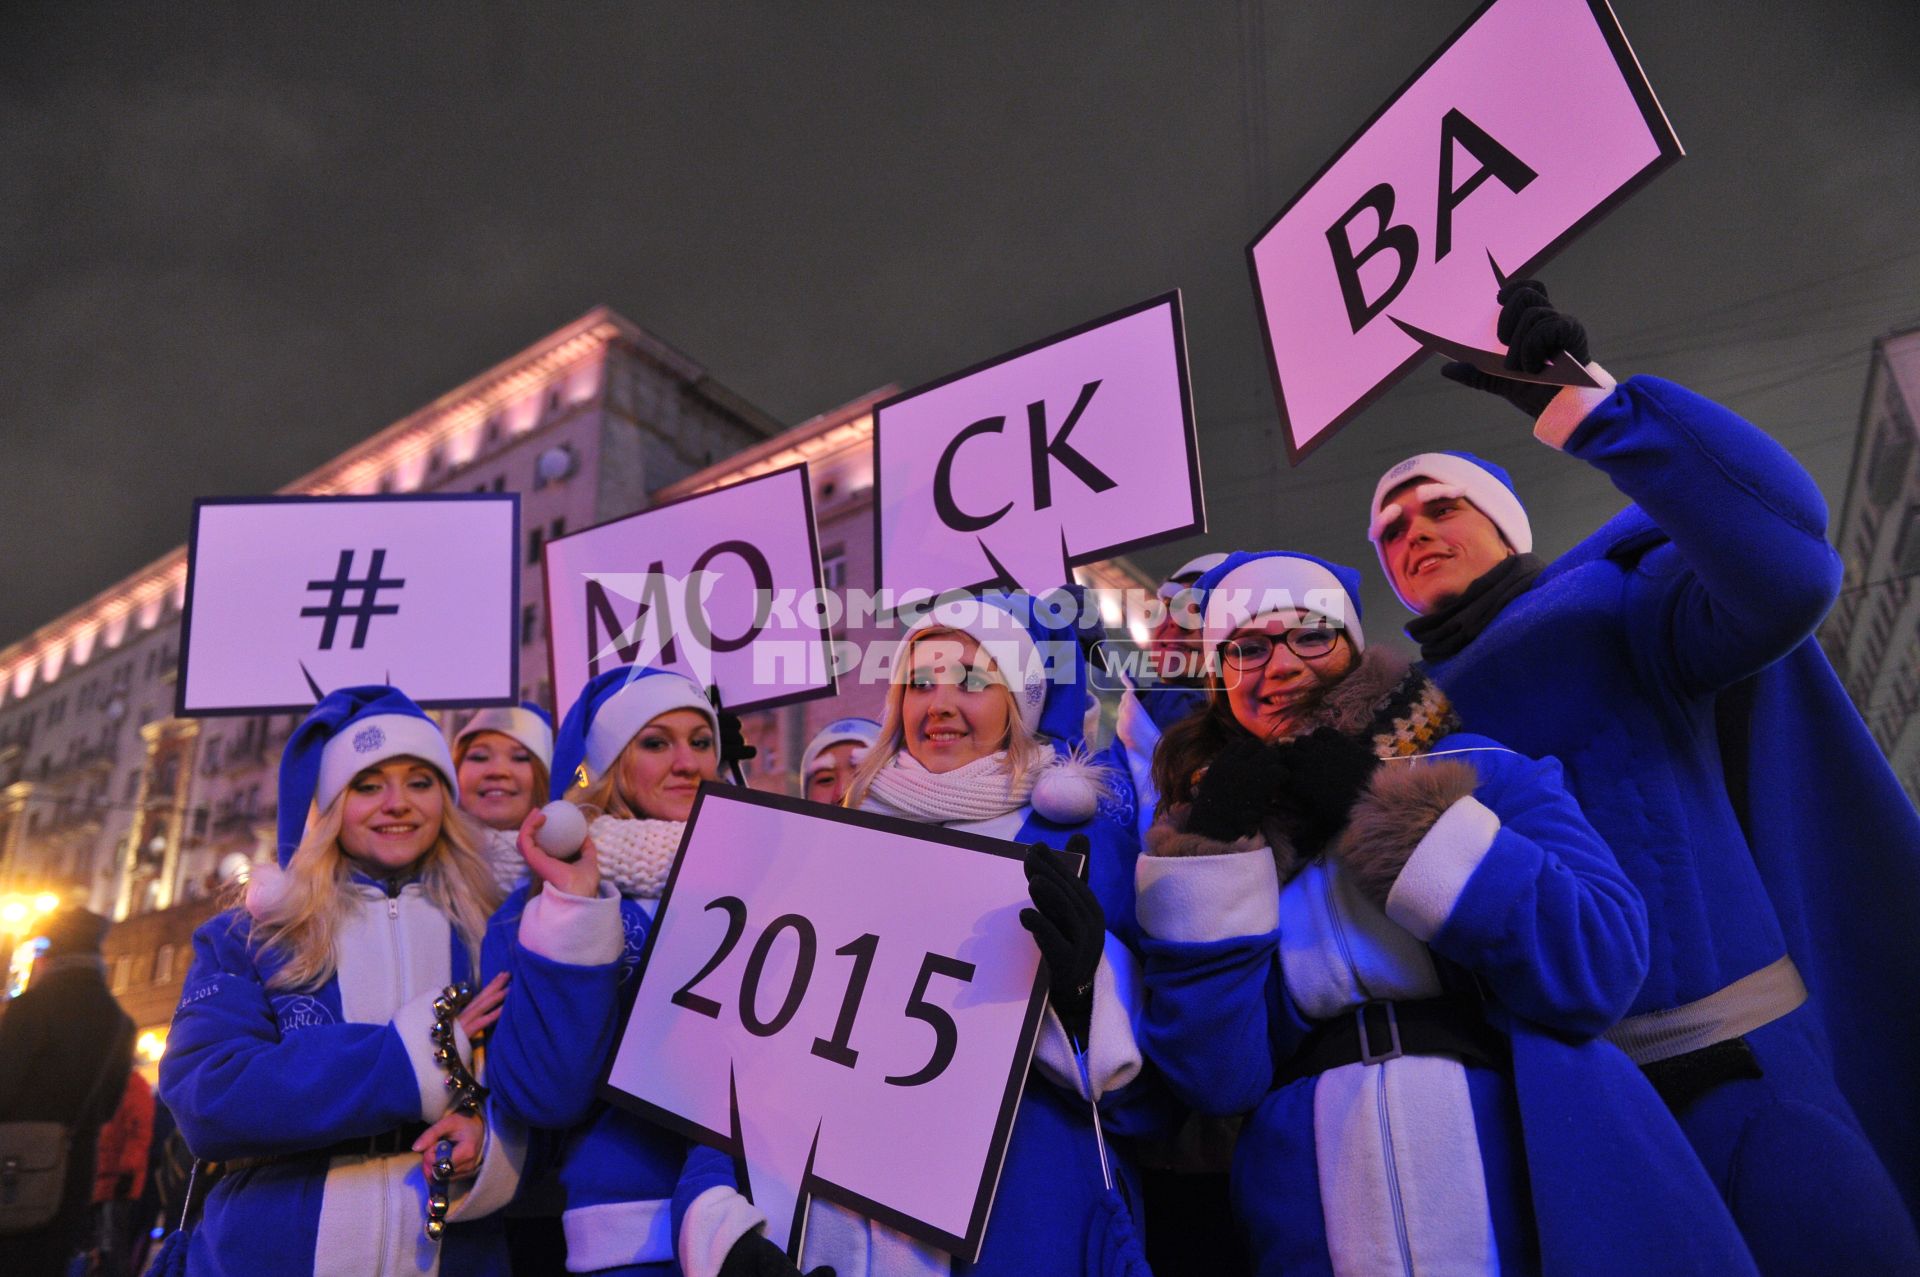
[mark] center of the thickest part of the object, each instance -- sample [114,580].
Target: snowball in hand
[564,831]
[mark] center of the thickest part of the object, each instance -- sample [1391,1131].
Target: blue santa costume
[1666,661]
[1050,1215]
[1412,1016]
[313,1096]
[617,1171]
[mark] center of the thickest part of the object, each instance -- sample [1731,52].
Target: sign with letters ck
[1073,449]
[290,597]
[1523,130]
[723,586]
[845,1003]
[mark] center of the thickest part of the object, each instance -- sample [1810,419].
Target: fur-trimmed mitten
[1326,772]
[1399,807]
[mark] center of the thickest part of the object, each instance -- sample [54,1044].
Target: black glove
[754,1256]
[1534,332]
[733,741]
[1238,791]
[1071,930]
[1326,773]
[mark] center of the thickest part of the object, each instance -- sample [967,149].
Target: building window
[437,458]
[199,822]
[1887,469]
[386,484]
[122,967]
[492,433]
[163,964]
[1906,559]
[499,483]
[556,529]
[534,536]
[529,623]
[833,567]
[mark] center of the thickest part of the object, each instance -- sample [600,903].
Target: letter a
[1495,161]
[1347,263]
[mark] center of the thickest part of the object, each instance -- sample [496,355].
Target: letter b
[1402,239]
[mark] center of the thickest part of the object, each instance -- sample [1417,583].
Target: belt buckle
[1367,1054]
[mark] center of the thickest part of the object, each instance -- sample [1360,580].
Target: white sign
[844,1002]
[1073,449]
[723,586]
[290,597]
[1529,124]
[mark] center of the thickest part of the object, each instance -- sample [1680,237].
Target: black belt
[1384,1030]
[1682,1079]
[398,1140]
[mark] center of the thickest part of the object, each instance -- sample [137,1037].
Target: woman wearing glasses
[1396,946]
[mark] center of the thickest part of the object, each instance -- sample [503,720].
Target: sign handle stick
[1099,1136]
[739,777]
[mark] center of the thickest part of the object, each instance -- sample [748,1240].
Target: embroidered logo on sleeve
[300,1011]
[635,925]
[201,989]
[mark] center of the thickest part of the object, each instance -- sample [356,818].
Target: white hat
[1453,474]
[1259,584]
[523,723]
[841,731]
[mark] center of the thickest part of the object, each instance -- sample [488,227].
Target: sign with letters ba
[845,1003]
[1527,126]
[723,586]
[290,597]
[1073,449]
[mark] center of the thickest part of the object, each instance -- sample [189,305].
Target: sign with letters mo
[1530,123]
[290,597]
[845,1003]
[723,586]
[1072,449]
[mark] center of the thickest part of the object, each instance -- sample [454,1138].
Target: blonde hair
[306,918]
[541,781]
[1025,751]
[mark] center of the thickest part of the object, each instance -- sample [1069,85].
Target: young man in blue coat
[1667,663]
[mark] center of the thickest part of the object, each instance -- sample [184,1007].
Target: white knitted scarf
[501,848]
[981,790]
[636,854]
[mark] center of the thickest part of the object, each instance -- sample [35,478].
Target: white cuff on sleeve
[1197,898]
[1427,889]
[1113,1049]
[618,1234]
[580,931]
[714,1221]
[414,1022]
[503,1158]
[1570,407]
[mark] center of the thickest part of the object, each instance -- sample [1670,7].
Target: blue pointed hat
[610,711]
[1254,583]
[349,731]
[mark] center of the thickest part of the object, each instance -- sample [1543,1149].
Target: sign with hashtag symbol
[289,598]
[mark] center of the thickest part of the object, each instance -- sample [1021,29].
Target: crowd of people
[1575,946]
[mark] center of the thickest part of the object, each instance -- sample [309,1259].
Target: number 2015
[946,1034]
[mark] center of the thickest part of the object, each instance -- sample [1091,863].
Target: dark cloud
[240,239]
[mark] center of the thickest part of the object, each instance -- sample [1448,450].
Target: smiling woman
[321,1031]
[504,755]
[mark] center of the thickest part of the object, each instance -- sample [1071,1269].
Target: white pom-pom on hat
[266,891]
[1067,793]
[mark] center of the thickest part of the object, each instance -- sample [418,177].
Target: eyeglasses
[1255,650]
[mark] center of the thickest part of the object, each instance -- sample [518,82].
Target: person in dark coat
[57,1041]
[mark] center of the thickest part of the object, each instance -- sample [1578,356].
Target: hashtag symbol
[362,612]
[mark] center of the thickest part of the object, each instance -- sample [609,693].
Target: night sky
[238,240]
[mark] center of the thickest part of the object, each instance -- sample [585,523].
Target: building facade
[1873,633]
[107,798]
